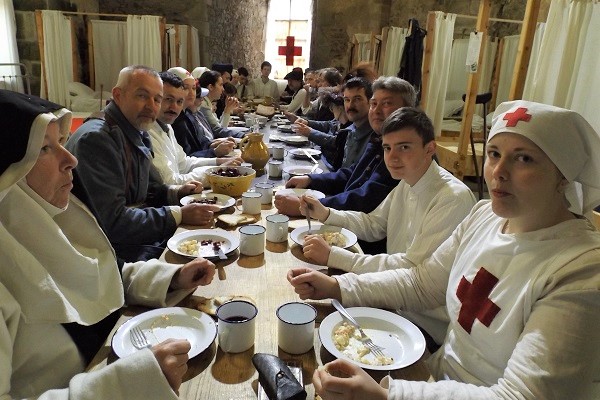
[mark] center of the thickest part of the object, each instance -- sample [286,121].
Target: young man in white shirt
[263,86]
[417,215]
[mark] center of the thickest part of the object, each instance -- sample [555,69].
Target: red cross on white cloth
[475,301]
[520,114]
[289,50]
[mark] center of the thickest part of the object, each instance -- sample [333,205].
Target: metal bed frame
[9,82]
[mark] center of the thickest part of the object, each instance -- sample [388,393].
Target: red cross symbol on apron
[520,114]
[475,301]
[289,50]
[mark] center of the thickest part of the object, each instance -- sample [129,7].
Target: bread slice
[210,305]
[235,219]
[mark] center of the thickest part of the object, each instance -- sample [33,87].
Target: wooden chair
[450,152]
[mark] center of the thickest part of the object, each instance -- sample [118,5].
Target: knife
[309,156]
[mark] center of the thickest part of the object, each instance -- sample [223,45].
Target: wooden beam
[469,109]
[496,78]
[425,69]
[74,54]
[39,24]
[190,53]
[532,11]
[162,28]
[91,60]
[177,49]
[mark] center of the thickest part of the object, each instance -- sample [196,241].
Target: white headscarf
[57,264]
[566,138]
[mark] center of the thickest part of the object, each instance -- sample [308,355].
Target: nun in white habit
[61,287]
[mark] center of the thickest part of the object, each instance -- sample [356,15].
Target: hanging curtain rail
[512,21]
[94,14]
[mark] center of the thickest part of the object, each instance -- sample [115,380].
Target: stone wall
[336,21]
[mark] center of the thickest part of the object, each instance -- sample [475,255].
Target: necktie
[243,91]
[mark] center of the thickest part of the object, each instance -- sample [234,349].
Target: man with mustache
[170,161]
[115,156]
[366,183]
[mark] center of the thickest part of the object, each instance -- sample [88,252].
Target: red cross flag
[289,50]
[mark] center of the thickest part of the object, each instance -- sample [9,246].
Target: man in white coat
[170,161]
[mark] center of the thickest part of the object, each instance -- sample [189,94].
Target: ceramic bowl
[232,186]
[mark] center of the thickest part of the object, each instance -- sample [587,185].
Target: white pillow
[79,89]
[452,107]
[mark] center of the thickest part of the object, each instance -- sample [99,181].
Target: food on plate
[229,172]
[205,200]
[334,238]
[194,247]
[347,339]
[235,219]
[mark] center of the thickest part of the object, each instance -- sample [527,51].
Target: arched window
[288,18]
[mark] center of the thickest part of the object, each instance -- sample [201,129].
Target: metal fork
[375,349]
[138,338]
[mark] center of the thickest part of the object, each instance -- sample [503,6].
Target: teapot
[255,151]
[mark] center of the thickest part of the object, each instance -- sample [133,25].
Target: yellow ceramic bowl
[231,186]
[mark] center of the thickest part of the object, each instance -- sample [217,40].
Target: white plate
[402,340]
[298,170]
[274,138]
[231,242]
[223,200]
[298,234]
[299,153]
[168,323]
[285,128]
[295,140]
[300,192]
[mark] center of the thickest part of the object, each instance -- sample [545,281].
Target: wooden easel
[456,156]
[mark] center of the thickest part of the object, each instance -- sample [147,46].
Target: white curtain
[507,67]
[364,46]
[110,56]
[9,75]
[458,74]
[195,48]
[439,68]
[143,41]
[394,48]
[533,59]
[58,64]
[566,74]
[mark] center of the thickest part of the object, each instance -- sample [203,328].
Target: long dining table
[215,374]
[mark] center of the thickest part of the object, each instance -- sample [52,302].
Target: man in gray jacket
[115,154]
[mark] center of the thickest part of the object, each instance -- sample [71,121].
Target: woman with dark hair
[213,81]
[325,133]
[296,84]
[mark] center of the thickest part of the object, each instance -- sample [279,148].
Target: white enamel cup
[236,325]
[277,228]
[296,327]
[252,240]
